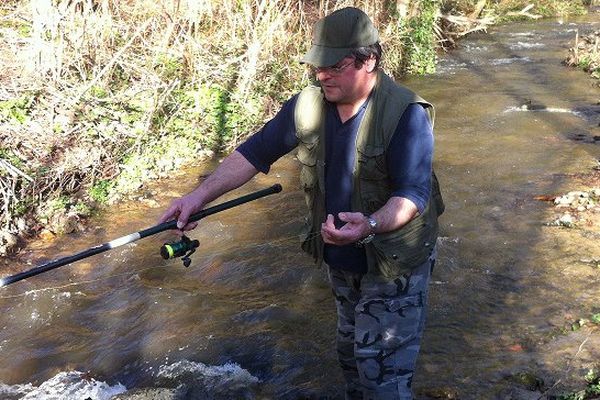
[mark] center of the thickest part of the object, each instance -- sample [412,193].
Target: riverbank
[122,94]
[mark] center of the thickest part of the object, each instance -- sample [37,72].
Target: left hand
[355,228]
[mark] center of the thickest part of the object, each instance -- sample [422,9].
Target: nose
[322,75]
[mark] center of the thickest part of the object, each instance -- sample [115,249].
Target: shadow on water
[503,288]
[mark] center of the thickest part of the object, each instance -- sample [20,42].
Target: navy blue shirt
[408,160]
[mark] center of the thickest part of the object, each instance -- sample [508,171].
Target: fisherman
[366,146]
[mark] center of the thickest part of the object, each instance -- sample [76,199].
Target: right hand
[181,209]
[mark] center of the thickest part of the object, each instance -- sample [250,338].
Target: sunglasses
[334,70]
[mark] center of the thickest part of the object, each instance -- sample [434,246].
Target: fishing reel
[183,248]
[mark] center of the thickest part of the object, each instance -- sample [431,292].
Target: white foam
[525,45]
[545,109]
[14,391]
[229,376]
[512,60]
[72,385]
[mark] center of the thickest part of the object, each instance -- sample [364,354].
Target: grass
[96,98]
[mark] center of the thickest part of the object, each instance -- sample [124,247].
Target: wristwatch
[369,238]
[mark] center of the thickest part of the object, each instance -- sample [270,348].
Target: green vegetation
[509,10]
[419,41]
[101,190]
[593,320]
[592,391]
[129,91]
[16,110]
[585,54]
[53,206]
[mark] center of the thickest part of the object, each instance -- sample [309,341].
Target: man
[366,145]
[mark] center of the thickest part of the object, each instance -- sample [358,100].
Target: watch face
[372,223]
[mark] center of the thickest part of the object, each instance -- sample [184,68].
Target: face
[344,83]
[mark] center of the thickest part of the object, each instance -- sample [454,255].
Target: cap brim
[322,56]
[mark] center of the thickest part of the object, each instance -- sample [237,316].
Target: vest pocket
[371,163]
[307,155]
[373,183]
[307,152]
[398,252]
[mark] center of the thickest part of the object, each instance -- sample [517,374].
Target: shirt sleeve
[409,156]
[276,138]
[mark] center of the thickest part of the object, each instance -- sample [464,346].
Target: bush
[129,91]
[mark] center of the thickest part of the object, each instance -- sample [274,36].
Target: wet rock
[533,107]
[582,137]
[71,223]
[441,393]
[576,202]
[46,235]
[9,243]
[574,199]
[528,380]
[153,394]
[64,222]
[522,394]
[565,220]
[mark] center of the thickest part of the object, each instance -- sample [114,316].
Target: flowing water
[252,318]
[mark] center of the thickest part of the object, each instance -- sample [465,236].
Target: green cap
[336,35]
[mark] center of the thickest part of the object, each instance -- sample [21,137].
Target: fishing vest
[390,254]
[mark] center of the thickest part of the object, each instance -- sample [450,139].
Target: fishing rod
[183,248]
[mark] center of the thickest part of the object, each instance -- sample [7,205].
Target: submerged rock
[528,380]
[441,393]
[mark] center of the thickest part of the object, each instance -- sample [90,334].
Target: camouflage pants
[380,325]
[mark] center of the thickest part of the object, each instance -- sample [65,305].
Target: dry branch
[110,64]
[524,13]
[14,171]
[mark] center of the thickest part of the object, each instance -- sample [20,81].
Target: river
[252,318]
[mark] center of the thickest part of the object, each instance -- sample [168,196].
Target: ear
[370,64]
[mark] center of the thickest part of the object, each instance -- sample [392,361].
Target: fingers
[347,234]
[327,228]
[330,222]
[188,227]
[181,209]
[182,219]
[169,214]
[352,217]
